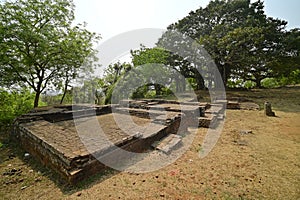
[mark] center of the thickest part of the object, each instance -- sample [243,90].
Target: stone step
[215,109]
[221,101]
[205,105]
[233,105]
[208,121]
[220,116]
[167,144]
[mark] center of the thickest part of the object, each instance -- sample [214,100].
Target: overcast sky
[112,17]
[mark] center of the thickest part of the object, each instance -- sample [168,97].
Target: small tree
[111,75]
[152,56]
[38,44]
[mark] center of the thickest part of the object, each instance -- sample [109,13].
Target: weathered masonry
[49,134]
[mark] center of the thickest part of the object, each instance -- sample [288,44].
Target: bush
[150,94]
[249,84]
[235,83]
[167,91]
[292,79]
[13,104]
[140,92]
[269,83]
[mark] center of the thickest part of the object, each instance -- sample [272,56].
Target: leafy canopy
[39,45]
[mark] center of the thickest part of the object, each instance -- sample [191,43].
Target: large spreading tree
[242,40]
[39,46]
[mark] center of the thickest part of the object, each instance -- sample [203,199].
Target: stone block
[208,121]
[168,143]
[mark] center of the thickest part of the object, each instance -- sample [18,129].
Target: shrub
[269,83]
[249,84]
[14,103]
[292,79]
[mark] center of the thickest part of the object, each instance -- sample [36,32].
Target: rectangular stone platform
[50,134]
[59,146]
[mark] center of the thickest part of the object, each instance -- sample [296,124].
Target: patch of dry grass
[262,165]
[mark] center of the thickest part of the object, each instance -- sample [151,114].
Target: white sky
[112,17]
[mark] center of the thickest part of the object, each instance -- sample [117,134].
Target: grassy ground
[261,165]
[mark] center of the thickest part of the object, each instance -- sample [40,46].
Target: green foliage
[111,75]
[56,99]
[163,67]
[249,84]
[191,83]
[39,46]
[240,83]
[167,91]
[109,93]
[142,92]
[291,79]
[139,80]
[89,92]
[244,43]
[149,55]
[270,83]
[14,103]
[288,63]
[236,83]
[148,73]
[150,94]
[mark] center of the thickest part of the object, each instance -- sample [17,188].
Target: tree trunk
[62,98]
[200,82]
[258,84]
[65,91]
[226,74]
[38,92]
[158,88]
[36,99]
[224,71]
[183,82]
[180,85]
[177,85]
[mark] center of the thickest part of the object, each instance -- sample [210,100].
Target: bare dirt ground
[264,164]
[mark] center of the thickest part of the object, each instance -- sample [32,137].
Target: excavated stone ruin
[49,134]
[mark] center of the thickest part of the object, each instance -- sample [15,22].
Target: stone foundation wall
[74,169]
[44,152]
[74,165]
